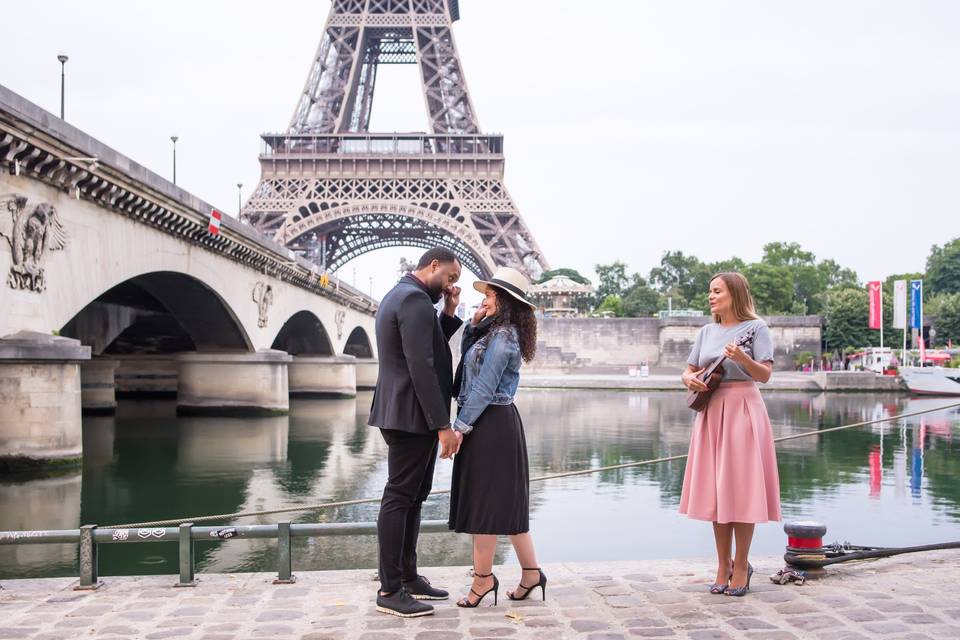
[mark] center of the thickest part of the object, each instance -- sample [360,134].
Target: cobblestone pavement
[911,597]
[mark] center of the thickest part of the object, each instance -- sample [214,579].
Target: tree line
[788,280]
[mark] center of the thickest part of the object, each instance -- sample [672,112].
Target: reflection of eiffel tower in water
[332,190]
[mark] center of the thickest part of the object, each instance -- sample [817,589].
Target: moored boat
[939,381]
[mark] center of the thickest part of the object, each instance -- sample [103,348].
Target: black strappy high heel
[465,601]
[542,583]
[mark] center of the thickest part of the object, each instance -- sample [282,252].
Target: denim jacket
[491,374]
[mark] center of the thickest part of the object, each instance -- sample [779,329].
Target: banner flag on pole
[899,304]
[214,226]
[876,305]
[916,304]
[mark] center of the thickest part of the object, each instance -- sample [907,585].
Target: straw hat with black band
[510,281]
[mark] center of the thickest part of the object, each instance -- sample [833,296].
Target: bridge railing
[90,537]
[367,144]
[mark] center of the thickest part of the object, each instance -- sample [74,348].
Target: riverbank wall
[615,345]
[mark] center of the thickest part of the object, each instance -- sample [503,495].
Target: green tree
[833,275]
[573,274]
[846,312]
[944,308]
[772,288]
[612,280]
[680,276]
[611,304]
[943,269]
[640,300]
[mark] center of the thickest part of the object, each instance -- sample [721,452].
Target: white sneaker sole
[404,615]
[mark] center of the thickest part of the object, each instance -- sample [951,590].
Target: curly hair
[511,311]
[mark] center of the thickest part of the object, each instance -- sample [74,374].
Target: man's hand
[449,442]
[451,300]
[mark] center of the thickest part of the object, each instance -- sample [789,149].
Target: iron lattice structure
[332,191]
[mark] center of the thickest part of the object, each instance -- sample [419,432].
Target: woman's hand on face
[480,314]
[735,353]
[692,382]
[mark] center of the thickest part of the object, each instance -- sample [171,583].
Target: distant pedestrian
[731,476]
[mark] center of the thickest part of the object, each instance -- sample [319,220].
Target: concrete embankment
[848,381]
[902,597]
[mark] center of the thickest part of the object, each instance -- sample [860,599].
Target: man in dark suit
[411,406]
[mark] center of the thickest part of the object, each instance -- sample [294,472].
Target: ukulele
[713,375]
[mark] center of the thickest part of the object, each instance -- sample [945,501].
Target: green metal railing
[90,537]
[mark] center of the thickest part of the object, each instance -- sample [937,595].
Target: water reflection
[885,484]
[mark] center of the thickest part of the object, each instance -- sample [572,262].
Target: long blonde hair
[740,296]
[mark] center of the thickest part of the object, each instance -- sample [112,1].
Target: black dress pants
[411,458]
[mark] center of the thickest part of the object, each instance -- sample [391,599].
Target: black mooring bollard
[805,538]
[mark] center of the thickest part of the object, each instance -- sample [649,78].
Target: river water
[886,485]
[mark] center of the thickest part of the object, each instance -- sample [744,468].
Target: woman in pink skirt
[731,477]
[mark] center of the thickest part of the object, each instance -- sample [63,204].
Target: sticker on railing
[224,534]
[121,535]
[147,533]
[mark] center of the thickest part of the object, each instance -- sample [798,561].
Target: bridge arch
[355,229]
[158,312]
[303,334]
[358,344]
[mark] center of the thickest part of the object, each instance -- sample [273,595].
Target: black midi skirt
[490,492]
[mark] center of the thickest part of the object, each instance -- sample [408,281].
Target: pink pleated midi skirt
[731,473]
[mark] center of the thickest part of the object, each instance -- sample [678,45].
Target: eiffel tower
[331,190]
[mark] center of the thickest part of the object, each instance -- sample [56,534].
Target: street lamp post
[239,205]
[174,139]
[63,79]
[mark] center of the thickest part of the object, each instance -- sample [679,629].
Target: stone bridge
[111,281]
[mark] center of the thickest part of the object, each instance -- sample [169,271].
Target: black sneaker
[402,604]
[421,590]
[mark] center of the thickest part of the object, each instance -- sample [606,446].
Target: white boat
[938,381]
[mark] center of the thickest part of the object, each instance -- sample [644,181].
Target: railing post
[89,580]
[284,561]
[186,556]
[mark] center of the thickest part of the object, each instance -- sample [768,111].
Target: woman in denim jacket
[490,493]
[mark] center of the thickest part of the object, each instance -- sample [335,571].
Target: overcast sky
[632,127]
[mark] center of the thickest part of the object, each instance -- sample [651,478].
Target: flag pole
[881,321]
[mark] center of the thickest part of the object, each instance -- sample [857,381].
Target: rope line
[555,476]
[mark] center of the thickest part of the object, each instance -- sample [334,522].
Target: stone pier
[40,400]
[234,383]
[323,376]
[907,597]
[98,389]
[146,375]
[367,370]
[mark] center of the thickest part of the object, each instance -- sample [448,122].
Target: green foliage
[944,308]
[612,280]
[772,287]
[943,269]
[640,301]
[802,358]
[681,277]
[611,304]
[573,274]
[846,312]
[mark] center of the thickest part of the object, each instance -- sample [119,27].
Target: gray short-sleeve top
[712,338]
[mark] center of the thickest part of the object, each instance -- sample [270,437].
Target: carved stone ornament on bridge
[32,232]
[338,318]
[263,296]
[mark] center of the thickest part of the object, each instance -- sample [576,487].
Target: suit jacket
[415,381]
